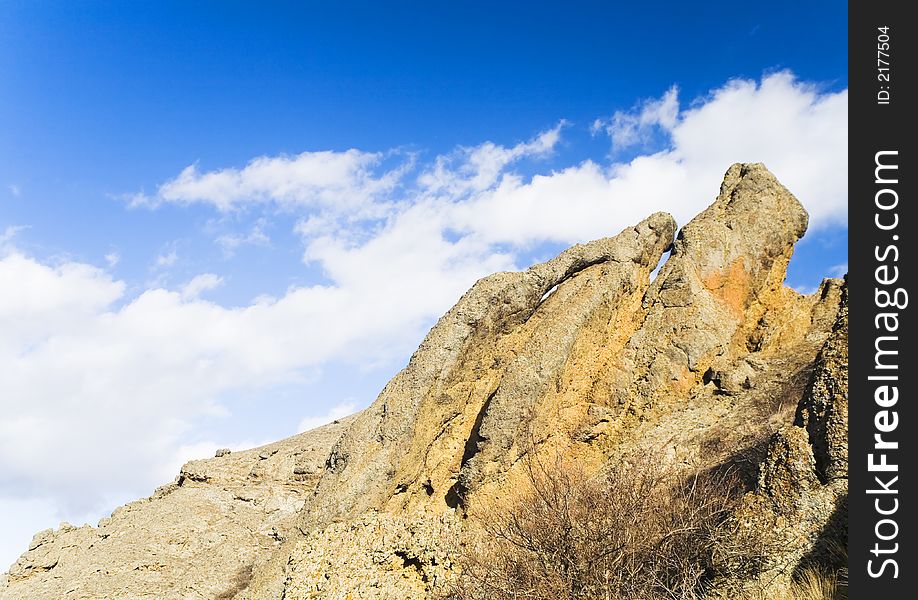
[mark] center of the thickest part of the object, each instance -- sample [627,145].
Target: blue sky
[224,222]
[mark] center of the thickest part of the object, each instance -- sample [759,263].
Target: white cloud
[342,181]
[8,235]
[14,189]
[166,259]
[627,128]
[838,270]
[112,259]
[48,301]
[255,237]
[336,412]
[201,284]
[800,134]
[472,169]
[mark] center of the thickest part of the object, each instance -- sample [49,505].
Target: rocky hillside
[582,355]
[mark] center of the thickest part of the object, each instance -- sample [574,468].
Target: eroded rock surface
[799,507]
[200,537]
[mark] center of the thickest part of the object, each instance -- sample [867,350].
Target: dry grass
[813,584]
[635,533]
[817,585]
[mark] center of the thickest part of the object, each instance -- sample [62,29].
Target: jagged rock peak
[754,221]
[726,271]
[738,247]
[450,386]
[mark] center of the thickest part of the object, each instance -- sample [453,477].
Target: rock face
[823,412]
[799,507]
[451,416]
[582,355]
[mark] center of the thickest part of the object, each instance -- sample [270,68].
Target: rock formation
[799,506]
[583,355]
[199,537]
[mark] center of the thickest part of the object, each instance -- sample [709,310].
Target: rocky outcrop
[376,555]
[727,267]
[799,508]
[200,537]
[477,378]
[823,412]
[583,355]
[586,356]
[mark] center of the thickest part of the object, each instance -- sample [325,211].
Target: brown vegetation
[636,532]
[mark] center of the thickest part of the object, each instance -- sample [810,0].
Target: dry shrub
[635,532]
[816,582]
[826,579]
[813,584]
[818,585]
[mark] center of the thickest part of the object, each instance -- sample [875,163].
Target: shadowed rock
[803,481]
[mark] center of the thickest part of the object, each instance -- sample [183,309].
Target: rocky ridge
[583,355]
[800,501]
[198,537]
